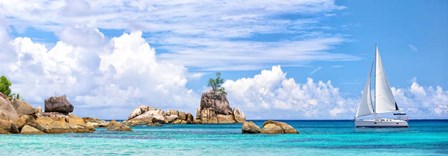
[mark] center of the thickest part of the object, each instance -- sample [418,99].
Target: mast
[374,78]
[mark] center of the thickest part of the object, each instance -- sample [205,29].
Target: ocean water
[423,137]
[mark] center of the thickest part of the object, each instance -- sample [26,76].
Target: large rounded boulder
[58,104]
[275,127]
[250,127]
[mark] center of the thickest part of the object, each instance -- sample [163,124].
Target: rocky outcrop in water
[58,104]
[116,126]
[269,127]
[215,108]
[17,116]
[30,130]
[250,127]
[146,115]
[95,122]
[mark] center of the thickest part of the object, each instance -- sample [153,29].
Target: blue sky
[283,60]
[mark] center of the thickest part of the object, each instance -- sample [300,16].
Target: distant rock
[269,127]
[146,115]
[215,108]
[95,122]
[58,104]
[116,126]
[250,127]
[275,127]
[149,114]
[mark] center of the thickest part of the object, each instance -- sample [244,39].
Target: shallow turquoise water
[316,138]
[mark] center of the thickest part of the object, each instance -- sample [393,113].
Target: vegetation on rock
[4,86]
[216,84]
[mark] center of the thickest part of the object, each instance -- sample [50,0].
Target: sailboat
[384,102]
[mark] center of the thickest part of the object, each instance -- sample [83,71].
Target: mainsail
[384,99]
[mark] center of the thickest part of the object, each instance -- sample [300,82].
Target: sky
[295,59]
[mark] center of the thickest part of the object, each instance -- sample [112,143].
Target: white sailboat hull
[381,123]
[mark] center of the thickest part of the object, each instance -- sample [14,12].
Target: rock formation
[58,104]
[22,108]
[7,111]
[30,130]
[116,126]
[17,116]
[215,108]
[95,122]
[250,127]
[145,115]
[269,127]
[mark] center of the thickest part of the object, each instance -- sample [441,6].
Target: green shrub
[216,84]
[4,86]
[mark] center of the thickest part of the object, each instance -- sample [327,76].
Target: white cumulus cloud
[271,94]
[422,101]
[104,80]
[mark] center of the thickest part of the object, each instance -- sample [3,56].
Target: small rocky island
[146,115]
[269,127]
[215,109]
[17,116]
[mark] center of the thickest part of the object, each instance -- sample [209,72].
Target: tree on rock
[216,84]
[4,86]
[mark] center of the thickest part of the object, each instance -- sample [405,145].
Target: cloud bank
[115,76]
[271,94]
[110,79]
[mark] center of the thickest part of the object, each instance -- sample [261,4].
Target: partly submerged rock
[269,127]
[8,126]
[58,104]
[116,126]
[95,122]
[275,127]
[30,130]
[250,127]
[146,115]
[59,123]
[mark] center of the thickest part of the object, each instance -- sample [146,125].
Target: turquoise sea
[423,137]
